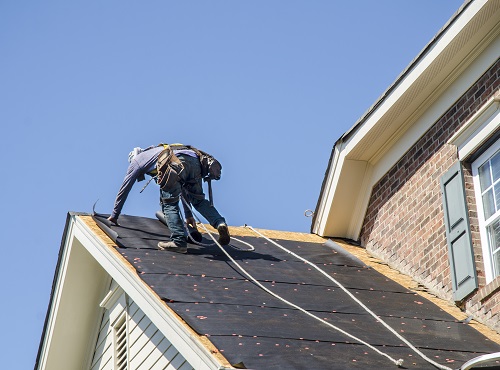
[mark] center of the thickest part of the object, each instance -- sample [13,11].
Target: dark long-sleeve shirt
[142,164]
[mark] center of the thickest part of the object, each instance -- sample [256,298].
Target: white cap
[133,153]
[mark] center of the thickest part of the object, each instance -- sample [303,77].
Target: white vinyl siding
[103,353]
[148,348]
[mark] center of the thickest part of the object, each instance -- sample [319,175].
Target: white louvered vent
[121,343]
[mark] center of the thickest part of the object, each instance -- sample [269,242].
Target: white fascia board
[73,309]
[386,157]
[53,309]
[342,206]
[415,72]
[430,116]
[185,342]
[326,197]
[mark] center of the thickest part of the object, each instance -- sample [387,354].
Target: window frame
[485,244]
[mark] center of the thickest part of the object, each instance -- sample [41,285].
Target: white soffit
[450,64]
[79,285]
[431,81]
[167,322]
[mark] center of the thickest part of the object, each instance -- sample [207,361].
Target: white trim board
[427,89]
[84,272]
[184,341]
[478,129]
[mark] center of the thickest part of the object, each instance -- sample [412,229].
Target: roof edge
[349,147]
[52,291]
[158,312]
[406,71]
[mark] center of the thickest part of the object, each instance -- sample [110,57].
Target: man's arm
[133,172]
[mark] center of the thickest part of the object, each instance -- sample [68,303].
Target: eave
[459,54]
[87,263]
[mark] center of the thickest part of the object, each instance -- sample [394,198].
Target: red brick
[404,220]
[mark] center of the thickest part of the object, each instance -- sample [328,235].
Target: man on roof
[187,184]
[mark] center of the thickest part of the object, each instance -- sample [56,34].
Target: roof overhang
[86,266]
[79,283]
[458,55]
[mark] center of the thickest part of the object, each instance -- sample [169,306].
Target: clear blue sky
[265,86]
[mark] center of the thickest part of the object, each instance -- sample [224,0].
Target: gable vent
[121,343]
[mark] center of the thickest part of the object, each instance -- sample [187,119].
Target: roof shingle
[250,326]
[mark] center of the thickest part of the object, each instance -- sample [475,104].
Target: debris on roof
[257,330]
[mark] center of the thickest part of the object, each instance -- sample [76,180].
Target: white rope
[250,249]
[396,362]
[399,336]
[251,278]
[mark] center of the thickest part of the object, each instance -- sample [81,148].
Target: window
[486,172]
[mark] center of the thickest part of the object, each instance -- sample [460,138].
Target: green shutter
[460,252]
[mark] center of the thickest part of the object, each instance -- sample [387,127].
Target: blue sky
[265,86]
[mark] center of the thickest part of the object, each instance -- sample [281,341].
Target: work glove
[193,230]
[190,221]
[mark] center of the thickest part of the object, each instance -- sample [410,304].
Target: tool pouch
[210,167]
[169,168]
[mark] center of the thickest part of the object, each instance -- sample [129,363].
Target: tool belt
[168,167]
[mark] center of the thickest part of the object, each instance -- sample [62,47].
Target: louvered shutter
[460,252]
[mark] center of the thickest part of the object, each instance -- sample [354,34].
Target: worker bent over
[188,184]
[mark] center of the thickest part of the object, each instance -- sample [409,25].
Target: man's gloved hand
[114,221]
[193,230]
[190,221]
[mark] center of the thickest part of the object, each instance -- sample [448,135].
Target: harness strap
[175,146]
[193,195]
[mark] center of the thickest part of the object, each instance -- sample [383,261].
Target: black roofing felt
[249,325]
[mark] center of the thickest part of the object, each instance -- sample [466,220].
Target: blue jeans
[192,190]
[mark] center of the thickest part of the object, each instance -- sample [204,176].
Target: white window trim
[480,210]
[476,131]
[117,303]
[114,294]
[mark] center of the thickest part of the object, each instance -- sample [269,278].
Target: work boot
[172,247]
[224,236]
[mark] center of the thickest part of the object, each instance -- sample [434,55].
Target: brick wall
[404,222]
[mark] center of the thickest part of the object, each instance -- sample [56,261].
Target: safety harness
[169,168]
